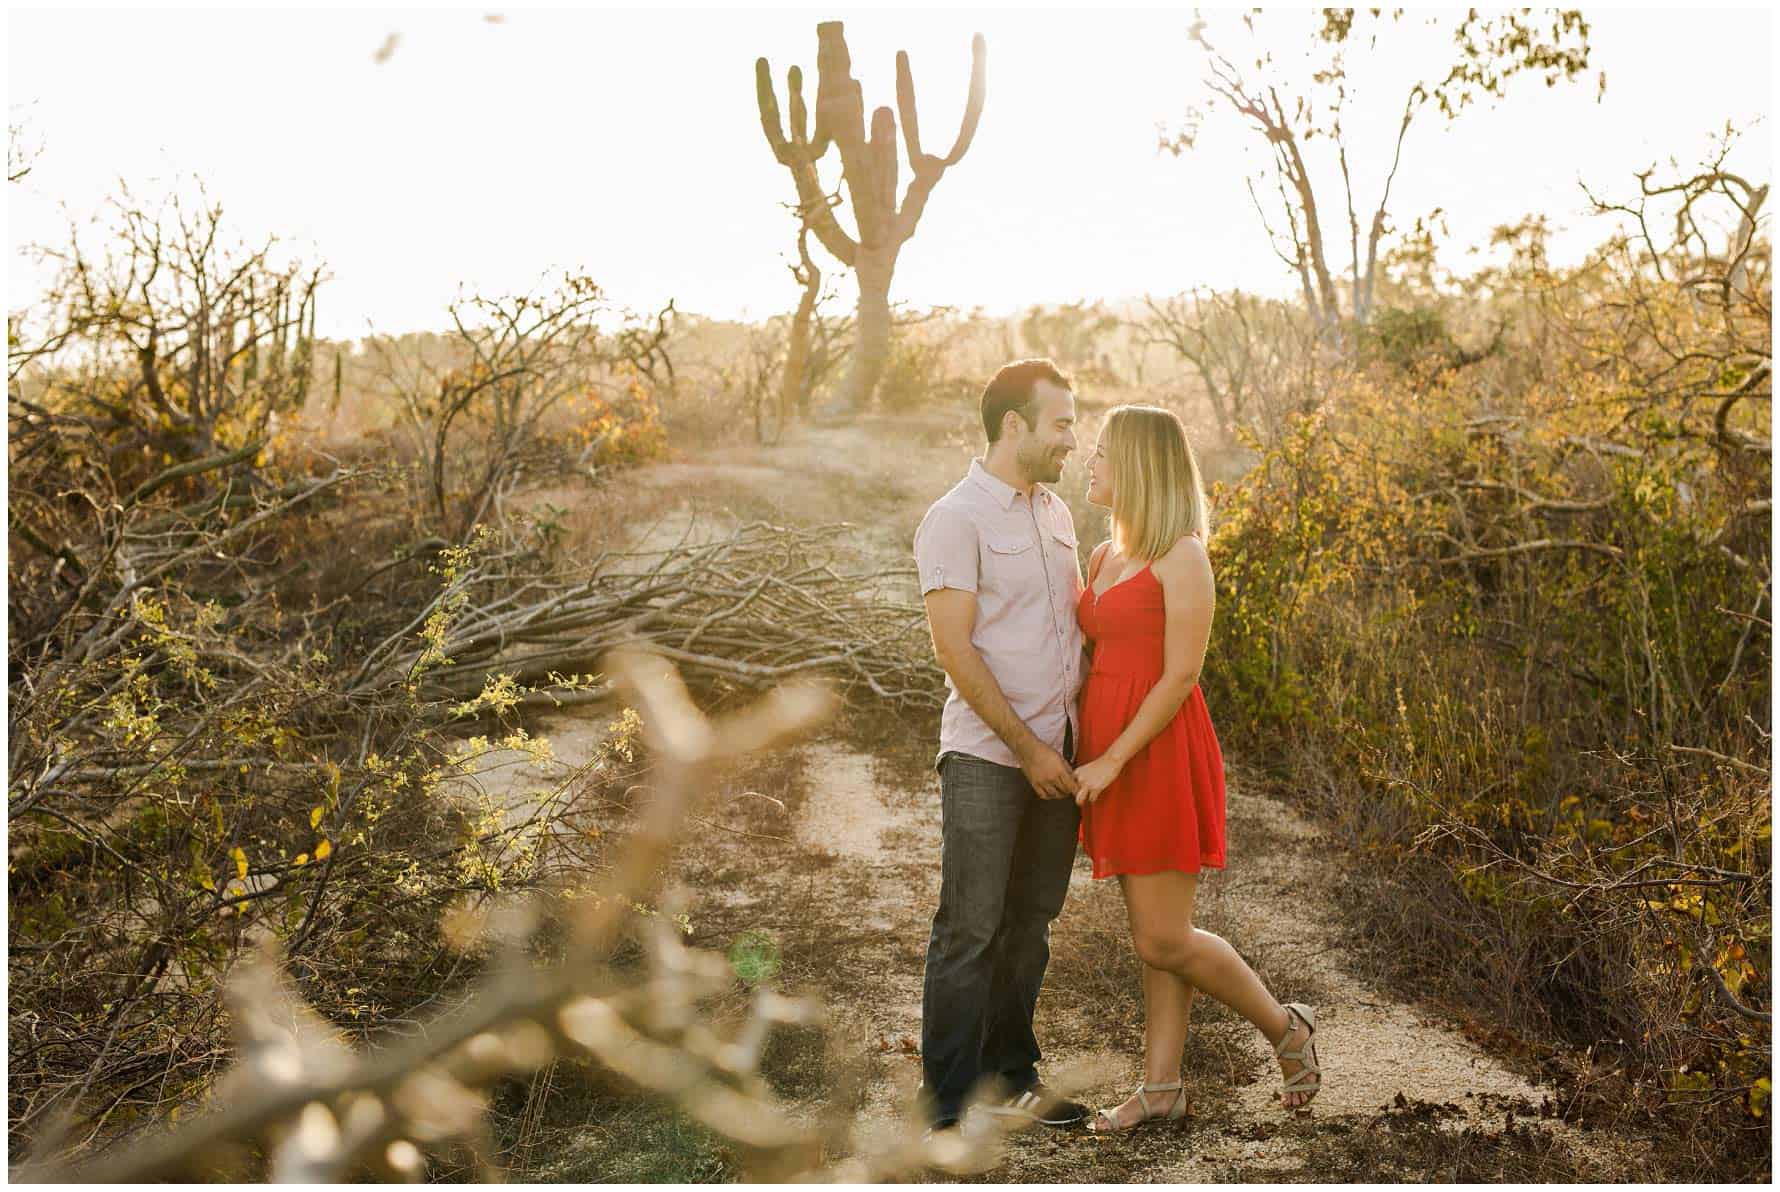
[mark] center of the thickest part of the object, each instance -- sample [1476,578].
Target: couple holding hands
[1074,715]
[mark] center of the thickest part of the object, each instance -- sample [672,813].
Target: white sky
[628,143]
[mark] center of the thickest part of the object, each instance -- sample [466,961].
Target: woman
[1152,791]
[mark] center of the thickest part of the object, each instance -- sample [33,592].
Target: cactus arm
[800,158]
[768,102]
[800,115]
[914,202]
[973,107]
[905,107]
[822,221]
[881,152]
[927,168]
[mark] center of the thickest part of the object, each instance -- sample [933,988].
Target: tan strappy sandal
[1176,1111]
[1309,1076]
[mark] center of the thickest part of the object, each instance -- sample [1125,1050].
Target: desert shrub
[914,374]
[557,359]
[171,338]
[919,373]
[198,760]
[1511,617]
[1076,335]
[1253,359]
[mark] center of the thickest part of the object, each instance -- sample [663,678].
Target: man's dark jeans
[1006,859]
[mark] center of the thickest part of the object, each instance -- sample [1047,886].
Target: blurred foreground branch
[323,1113]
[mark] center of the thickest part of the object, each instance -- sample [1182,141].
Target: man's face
[1041,449]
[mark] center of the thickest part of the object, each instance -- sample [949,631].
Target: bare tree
[808,276]
[1488,51]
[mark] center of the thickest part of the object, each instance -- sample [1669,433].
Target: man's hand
[1049,774]
[951,614]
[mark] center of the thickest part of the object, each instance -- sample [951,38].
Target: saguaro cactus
[869,168]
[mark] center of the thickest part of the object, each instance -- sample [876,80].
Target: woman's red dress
[1165,810]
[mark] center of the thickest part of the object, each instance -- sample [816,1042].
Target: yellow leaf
[322,850]
[240,862]
[315,816]
[302,859]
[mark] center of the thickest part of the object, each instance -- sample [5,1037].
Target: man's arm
[951,616]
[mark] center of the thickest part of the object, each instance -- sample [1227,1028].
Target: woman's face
[1100,493]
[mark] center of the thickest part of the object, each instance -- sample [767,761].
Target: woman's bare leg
[1160,908]
[1167,1005]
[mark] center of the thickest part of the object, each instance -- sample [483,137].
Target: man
[1000,577]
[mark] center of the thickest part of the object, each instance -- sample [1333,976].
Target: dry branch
[766,604]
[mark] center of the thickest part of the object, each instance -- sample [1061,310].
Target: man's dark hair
[1013,387]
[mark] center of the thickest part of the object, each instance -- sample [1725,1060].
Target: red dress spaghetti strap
[1165,810]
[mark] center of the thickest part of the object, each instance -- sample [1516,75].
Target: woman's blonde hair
[1158,497]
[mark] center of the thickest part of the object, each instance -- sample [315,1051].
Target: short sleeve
[946,550]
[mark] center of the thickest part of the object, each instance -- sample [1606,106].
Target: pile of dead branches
[765,604]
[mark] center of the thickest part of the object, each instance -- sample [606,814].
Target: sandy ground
[833,851]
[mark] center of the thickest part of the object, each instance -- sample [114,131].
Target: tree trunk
[797,357]
[873,350]
[794,383]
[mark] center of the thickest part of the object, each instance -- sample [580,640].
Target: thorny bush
[191,767]
[1511,613]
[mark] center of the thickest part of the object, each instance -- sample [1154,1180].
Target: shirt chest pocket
[1062,545]
[1011,563]
[1008,552]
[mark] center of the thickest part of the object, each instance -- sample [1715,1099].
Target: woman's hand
[1095,777]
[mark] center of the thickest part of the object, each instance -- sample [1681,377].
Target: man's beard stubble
[1043,467]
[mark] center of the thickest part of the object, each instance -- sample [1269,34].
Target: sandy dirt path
[831,852]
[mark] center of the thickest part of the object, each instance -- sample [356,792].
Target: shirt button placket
[1044,563]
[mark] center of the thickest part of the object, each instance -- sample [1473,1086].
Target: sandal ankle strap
[1143,1097]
